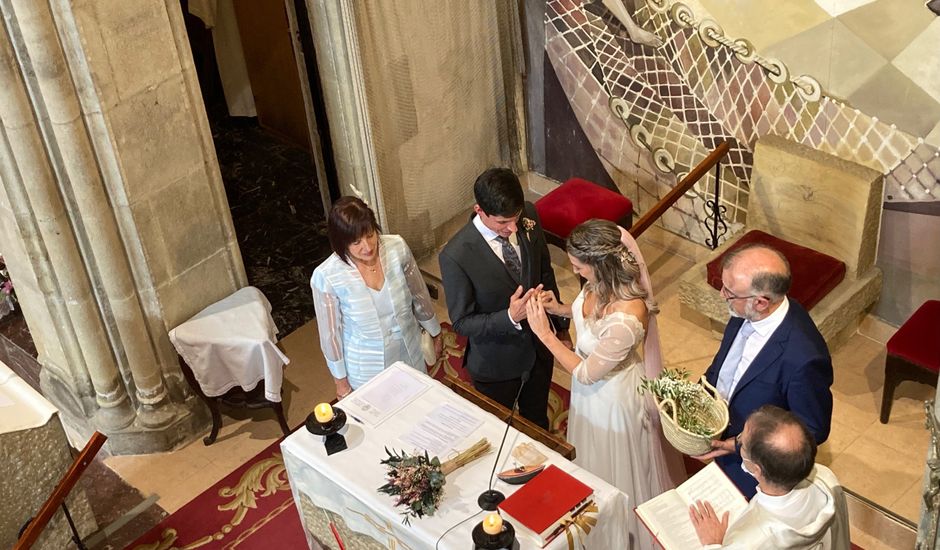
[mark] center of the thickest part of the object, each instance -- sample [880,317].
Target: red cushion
[814,273]
[578,200]
[918,339]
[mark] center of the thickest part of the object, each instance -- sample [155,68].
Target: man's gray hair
[772,284]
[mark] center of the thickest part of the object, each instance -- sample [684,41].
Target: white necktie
[733,360]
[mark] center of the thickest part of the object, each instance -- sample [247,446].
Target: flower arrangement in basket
[692,413]
[418,480]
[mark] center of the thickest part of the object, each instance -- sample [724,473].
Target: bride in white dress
[614,429]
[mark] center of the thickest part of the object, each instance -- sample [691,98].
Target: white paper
[395,389]
[667,515]
[440,431]
[5,401]
[672,525]
[712,485]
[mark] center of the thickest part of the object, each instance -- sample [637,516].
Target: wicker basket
[716,417]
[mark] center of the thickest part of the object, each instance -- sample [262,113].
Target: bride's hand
[549,302]
[538,320]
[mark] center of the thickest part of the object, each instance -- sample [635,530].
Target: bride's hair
[596,243]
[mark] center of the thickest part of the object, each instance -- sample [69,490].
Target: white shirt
[496,246]
[491,239]
[813,516]
[763,330]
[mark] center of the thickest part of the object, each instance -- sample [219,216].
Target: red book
[545,502]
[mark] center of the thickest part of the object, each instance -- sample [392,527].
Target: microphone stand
[490,498]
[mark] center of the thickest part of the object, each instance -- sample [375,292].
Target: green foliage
[691,399]
[417,481]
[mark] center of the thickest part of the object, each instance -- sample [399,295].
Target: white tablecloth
[346,483]
[233,343]
[21,407]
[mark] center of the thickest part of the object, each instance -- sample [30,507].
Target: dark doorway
[266,162]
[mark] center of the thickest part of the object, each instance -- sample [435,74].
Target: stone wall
[112,211]
[653,112]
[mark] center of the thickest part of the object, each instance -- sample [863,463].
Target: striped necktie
[511,258]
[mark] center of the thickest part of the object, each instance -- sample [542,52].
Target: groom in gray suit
[490,269]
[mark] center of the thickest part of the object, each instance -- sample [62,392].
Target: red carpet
[251,508]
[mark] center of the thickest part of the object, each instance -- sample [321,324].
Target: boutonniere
[528,224]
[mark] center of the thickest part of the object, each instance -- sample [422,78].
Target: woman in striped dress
[371,301]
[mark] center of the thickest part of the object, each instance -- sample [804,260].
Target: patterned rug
[250,508]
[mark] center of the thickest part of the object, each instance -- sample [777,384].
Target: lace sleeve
[421,299]
[330,324]
[617,334]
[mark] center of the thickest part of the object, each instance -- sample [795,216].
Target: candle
[493,524]
[323,412]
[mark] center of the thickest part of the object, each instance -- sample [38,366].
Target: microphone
[490,498]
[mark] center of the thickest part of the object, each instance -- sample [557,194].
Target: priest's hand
[708,527]
[538,319]
[719,448]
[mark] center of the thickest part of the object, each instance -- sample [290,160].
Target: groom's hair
[499,193]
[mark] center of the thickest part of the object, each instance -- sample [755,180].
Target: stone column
[337,47]
[115,225]
[929,524]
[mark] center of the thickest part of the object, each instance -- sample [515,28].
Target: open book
[667,516]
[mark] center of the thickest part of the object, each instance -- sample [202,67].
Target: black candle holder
[485,541]
[333,440]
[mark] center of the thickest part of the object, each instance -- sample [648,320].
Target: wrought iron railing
[716,224]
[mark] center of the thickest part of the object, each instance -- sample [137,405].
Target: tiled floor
[883,463]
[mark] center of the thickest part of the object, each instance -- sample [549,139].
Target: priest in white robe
[798,505]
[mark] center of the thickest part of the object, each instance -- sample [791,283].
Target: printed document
[440,431]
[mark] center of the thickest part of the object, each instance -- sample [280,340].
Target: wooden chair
[913,353]
[229,354]
[237,398]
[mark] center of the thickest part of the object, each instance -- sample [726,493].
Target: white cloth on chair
[232,343]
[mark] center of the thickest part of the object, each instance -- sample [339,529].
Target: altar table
[342,487]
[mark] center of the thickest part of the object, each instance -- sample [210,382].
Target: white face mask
[746,471]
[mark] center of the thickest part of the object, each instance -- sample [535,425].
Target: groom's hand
[518,301]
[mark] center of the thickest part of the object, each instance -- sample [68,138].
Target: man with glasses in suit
[771,354]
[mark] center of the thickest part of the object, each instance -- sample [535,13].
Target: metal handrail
[679,190]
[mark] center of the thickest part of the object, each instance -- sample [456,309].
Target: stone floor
[881,463]
[277,213]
